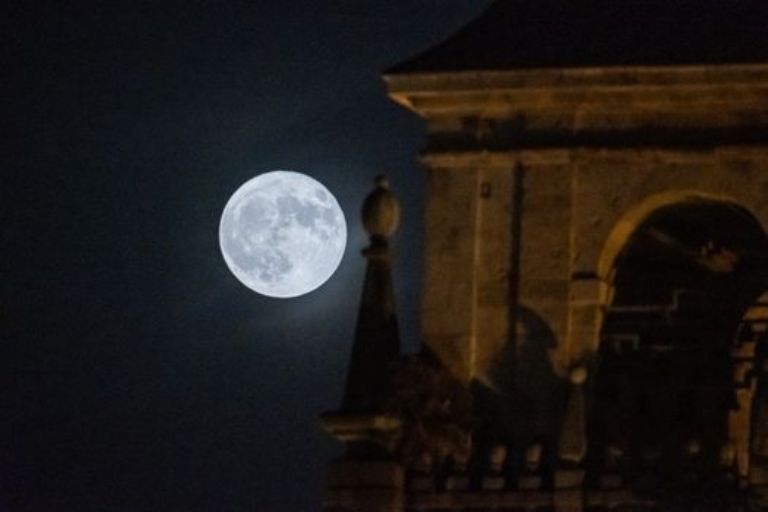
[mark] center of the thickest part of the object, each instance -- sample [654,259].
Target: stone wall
[537,178]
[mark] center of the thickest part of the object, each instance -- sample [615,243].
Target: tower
[596,262]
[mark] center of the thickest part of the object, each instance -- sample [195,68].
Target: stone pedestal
[457,483]
[568,494]
[529,482]
[493,483]
[364,486]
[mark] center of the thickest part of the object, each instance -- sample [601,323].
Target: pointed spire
[376,342]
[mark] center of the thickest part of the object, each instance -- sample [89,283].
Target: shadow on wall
[520,401]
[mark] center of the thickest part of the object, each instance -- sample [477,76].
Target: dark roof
[514,34]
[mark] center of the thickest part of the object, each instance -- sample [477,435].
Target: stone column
[569,494]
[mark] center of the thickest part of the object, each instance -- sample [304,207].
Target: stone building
[595,315]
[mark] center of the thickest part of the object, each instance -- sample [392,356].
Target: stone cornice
[495,92]
[560,156]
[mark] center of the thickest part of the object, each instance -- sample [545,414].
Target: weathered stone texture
[370,485]
[545,242]
[612,186]
[599,150]
[493,266]
[450,281]
[548,196]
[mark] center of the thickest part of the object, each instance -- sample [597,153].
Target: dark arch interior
[705,246]
[664,385]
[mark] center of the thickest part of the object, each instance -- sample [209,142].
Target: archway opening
[680,287]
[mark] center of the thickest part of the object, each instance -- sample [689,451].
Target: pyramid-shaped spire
[377,341]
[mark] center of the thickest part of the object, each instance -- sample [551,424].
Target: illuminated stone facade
[594,318]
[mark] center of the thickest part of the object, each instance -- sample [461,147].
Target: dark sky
[136,373]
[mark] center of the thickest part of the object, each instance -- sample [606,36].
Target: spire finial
[377,342]
[381,210]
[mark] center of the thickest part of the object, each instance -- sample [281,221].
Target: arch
[638,214]
[683,271]
[748,355]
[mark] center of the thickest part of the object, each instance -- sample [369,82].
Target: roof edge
[456,81]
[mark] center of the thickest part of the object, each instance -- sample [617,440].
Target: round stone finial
[578,375]
[496,457]
[533,457]
[381,210]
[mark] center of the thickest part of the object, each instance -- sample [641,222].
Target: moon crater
[282,234]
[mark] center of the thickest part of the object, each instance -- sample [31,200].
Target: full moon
[282,234]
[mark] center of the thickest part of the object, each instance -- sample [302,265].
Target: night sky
[136,373]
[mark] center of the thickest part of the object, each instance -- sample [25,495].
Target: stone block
[457,483]
[568,478]
[529,482]
[494,483]
[586,291]
[571,500]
